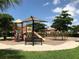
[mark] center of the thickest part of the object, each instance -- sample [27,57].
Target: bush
[74,35]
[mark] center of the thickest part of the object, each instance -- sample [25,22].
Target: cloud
[69,7]
[72,9]
[55,2]
[75,2]
[46,4]
[57,10]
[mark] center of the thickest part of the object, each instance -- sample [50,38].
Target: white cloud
[75,2]
[57,10]
[46,4]
[69,7]
[55,2]
[72,9]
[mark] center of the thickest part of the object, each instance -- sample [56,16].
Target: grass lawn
[63,54]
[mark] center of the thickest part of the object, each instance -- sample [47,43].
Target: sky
[45,9]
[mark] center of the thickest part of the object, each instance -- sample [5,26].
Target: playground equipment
[21,35]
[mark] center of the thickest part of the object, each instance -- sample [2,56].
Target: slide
[39,36]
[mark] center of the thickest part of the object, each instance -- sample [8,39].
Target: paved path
[48,45]
[44,47]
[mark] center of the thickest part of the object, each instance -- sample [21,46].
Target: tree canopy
[75,29]
[4,4]
[6,23]
[62,21]
[38,26]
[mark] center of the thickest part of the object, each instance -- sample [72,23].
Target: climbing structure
[23,33]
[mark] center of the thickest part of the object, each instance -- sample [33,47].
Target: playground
[26,39]
[27,34]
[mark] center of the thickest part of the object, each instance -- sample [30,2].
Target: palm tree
[4,4]
[6,19]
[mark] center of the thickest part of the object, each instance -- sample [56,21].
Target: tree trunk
[62,35]
[4,35]
[5,38]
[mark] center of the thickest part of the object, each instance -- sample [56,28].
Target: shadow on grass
[11,54]
[60,54]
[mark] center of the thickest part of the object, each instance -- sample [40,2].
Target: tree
[62,21]
[6,23]
[4,4]
[75,29]
[38,27]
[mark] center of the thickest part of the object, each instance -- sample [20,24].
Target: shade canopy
[30,19]
[17,21]
[33,18]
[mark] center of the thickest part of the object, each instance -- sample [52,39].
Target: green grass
[62,54]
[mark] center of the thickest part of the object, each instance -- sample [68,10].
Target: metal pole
[22,30]
[32,30]
[15,32]
[26,36]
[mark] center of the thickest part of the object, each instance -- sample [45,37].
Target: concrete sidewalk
[44,47]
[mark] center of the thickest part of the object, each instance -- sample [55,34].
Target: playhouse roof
[18,21]
[35,19]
